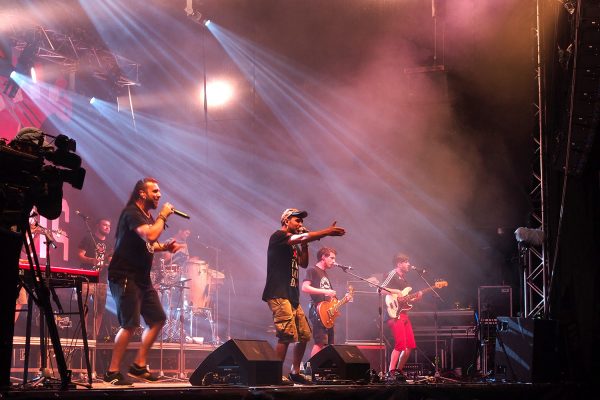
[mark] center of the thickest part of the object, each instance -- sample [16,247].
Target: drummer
[183,255]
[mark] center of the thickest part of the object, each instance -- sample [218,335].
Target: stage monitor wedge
[340,362]
[240,362]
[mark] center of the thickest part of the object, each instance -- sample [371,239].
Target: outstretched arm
[316,235]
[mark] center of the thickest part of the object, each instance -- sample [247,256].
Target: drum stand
[181,375]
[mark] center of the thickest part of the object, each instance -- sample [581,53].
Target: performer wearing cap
[317,284]
[129,277]
[288,249]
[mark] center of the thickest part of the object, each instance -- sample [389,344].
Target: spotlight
[218,92]
[92,100]
[11,87]
[33,75]
[530,236]
[207,22]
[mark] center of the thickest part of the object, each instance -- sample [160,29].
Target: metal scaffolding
[536,273]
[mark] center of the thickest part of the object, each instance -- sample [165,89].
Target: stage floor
[161,390]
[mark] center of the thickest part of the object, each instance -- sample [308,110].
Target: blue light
[207,22]
[92,100]
[13,74]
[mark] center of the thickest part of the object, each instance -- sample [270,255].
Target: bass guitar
[396,303]
[328,310]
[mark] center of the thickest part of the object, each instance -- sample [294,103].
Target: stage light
[33,75]
[218,93]
[529,236]
[207,22]
[11,87]
[92,100]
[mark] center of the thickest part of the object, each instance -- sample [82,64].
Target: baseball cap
[292,212]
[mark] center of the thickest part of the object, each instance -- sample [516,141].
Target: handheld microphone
[303,229]
[344,267]
[181,214]
[81,215]
[419,270]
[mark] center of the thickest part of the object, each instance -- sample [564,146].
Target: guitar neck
[343,301]
[414,295]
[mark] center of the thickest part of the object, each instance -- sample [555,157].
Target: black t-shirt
[100,250]
[318,279]
[282,269]
[395,282]
[132,258]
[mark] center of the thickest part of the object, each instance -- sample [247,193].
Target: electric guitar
[328,310]
[396,303]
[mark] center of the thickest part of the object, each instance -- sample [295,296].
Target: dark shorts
[401,328]
[133,300]
[321,335]
[291,324]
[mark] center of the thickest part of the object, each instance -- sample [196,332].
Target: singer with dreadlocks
[129,277]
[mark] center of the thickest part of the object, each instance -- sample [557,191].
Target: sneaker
[141,373]
[395,375]
[116,379]
[286,382]
[299,379]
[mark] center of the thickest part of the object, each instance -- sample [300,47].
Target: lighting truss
[78,52]
[536,268]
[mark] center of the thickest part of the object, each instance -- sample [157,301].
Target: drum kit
[187,293]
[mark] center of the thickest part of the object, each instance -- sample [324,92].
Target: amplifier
[442,319]
[494,301]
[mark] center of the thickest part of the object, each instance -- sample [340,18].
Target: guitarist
[404,338]
[94,252]
[317,284]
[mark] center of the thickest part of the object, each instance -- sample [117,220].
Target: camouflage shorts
[291,324]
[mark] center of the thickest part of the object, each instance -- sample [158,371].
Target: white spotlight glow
[207,22]
[33,75]
[92,100]
[217,93]
[13,75]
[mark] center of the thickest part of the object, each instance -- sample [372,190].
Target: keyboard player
[94,253]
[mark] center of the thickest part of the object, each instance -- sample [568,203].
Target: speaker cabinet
[493,301]
[526,350]
[339,362]
[240,362]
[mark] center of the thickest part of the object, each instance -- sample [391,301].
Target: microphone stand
[437,377]
[380,289]
[95,308]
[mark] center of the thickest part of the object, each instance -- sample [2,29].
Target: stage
[462,390]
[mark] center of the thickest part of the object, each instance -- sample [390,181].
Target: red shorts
[401,328]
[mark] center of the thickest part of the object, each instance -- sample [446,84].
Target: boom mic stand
[437,376]
[382,354]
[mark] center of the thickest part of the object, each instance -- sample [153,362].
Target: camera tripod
[40,294]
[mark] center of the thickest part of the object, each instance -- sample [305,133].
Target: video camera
[32,171]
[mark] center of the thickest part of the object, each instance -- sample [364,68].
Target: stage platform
[396,391]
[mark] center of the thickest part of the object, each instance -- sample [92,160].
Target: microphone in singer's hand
[181,214]
[81,214]
[419,270]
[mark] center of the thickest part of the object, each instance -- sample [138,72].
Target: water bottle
[308,370]
[302,370]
